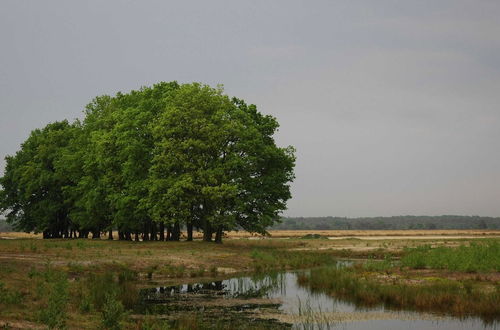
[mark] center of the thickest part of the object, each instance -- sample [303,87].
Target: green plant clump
[477,257]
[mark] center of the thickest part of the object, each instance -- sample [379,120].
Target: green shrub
[113,313]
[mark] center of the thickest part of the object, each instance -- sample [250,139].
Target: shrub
[113,312]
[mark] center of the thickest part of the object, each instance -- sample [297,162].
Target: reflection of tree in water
[243,287]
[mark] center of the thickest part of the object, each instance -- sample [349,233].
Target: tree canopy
[161,158]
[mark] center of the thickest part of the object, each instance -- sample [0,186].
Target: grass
[9,297]
[475,257]
[33,271]
[312,320]
[54,313]
[458,298]
[95,270]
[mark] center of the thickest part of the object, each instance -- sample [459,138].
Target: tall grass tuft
[113,312]
[54,314]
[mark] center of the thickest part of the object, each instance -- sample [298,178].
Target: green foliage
[174,154]
[54,314]
[217,163]
[477,257]
[33,186]
[113,312]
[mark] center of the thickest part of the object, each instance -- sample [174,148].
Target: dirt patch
[20,325]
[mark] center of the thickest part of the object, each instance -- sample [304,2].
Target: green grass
[459,298]
[9,297]
[476,257]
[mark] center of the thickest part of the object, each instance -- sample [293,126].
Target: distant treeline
[4,226]
[396,222]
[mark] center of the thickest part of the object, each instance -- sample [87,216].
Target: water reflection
[280,293]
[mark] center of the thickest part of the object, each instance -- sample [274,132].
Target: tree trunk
[145,237]
[218,234]
[96,234]
[189,231]
[169,233]
[176,232]
[162,231]
[207,231]
[137,236]
[153,232]
[110,234]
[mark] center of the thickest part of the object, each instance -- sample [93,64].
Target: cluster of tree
[149,163]
[388,223]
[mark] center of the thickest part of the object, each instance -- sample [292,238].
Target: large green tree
[216,164]
[33,195]
[166,156]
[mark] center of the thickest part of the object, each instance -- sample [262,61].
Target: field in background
[366,233]
[361,234]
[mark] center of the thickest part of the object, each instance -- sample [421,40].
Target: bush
[113,312]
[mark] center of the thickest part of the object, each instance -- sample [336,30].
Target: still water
[279,298]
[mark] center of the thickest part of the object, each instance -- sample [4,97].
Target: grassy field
[93,283]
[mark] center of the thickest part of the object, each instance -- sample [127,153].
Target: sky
[393,106]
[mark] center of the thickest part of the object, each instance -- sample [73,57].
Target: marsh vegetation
[149,285]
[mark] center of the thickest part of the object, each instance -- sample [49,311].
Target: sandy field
[334,234]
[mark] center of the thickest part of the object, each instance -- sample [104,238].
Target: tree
[33,188]
[164,156]
[216,164]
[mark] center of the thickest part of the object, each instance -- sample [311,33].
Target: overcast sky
[393,106]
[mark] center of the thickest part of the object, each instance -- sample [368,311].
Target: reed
[457,298]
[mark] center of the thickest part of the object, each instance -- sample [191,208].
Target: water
[278,297]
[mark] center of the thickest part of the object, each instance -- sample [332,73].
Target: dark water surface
[245,298]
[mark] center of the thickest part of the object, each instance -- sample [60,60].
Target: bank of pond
[343,295]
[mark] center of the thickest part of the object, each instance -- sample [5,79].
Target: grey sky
[393,106]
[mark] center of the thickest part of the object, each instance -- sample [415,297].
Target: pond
[276,300]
